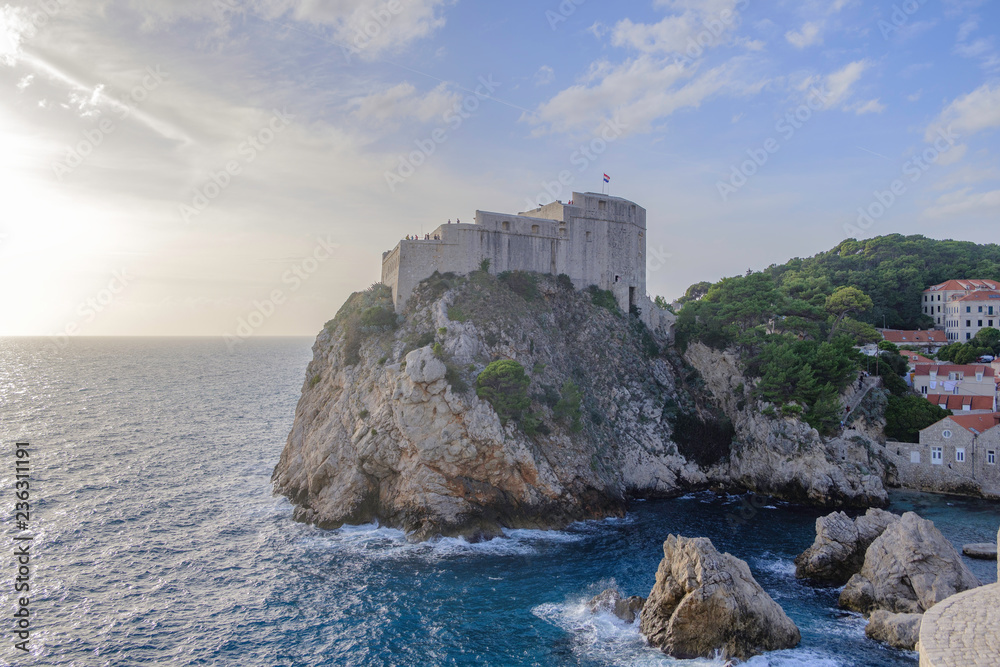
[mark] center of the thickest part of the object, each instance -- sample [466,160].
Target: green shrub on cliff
[521,283]
[504,385]
[568,407]
[603,298]
[363,315]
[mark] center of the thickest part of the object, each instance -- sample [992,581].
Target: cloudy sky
[170,167]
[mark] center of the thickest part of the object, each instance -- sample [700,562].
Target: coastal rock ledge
[705,603]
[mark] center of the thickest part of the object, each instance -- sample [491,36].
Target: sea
[156,538]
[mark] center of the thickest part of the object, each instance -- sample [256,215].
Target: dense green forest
[893,270]
[796,324]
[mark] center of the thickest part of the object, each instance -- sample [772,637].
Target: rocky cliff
[785,457]
[389,426]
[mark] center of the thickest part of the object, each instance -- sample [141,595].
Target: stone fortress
[595,239]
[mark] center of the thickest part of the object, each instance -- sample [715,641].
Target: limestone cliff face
[388,435]
[389,427]
[785,457]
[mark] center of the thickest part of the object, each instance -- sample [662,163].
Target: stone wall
[596,240]
[917,469]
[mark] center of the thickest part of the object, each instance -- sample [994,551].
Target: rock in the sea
[612,602]
[908,569]
[982,551]
[897,630]
[839,550]
[704,602]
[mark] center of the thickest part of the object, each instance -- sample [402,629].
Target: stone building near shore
[595,239]
[956,455]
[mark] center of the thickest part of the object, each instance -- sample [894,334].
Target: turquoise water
[160,543]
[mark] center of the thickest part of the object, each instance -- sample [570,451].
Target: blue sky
[245,157]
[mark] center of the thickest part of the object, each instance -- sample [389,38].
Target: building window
[960,454]
[923,390]
[602,205]
[980,323]
[937,456]
[968,309]
[505,226]
[991,457]
[968,323]
[535,229]
[588,237]
[562,231]
[968,336]
[914,457]
[946,434]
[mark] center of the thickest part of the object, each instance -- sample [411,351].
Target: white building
[935,299]
[968,314]
[970,380]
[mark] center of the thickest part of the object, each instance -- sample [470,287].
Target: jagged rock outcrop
[841,543]
[611,601]
[704,602]
[897,630]
[908,569]
[389,427]
[785,457]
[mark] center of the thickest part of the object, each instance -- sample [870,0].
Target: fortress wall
[594,241]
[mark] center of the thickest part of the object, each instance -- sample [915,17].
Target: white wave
[375,541]
[607,640]
[793,658]
[604,638]
[780,566]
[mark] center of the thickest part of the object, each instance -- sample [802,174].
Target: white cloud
[871,106]
[810,33]
[915,96]
[641,90]
[25,82]
[839,84]
[654,84]
[544,76]
[972,113]
[952,156]
[369,25]
[964,201]
[968,26]
[697,26]
[975,49]
[15,27]
[403,102]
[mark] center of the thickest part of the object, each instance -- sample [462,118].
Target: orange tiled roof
[952,285]
[917,358]
[944,369]
[976,423]
[900,337]
[958,403]
[982,295]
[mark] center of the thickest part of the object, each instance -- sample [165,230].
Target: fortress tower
[595,240]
